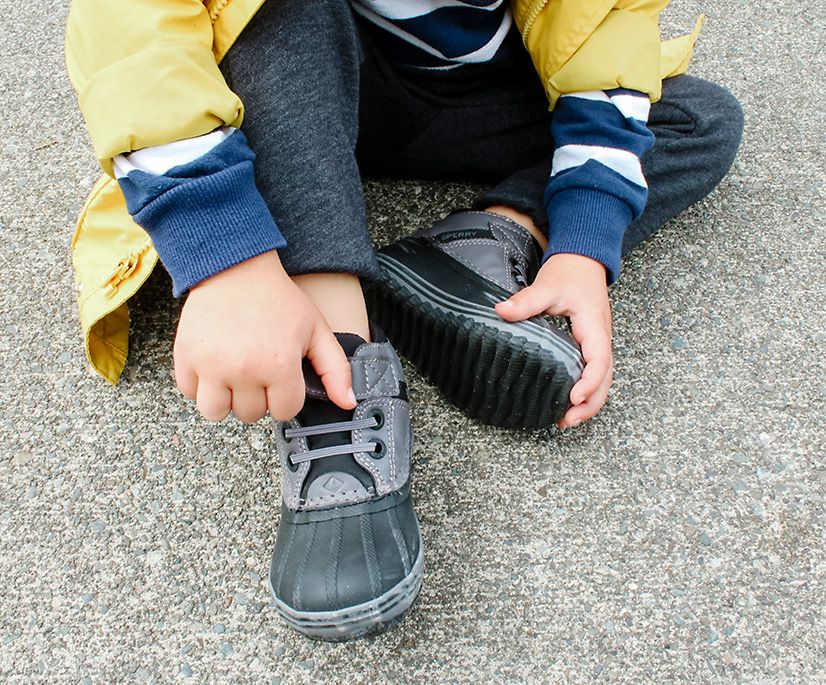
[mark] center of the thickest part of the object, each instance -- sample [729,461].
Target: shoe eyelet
[292,467]
[282,427]
[381,449]
[378,415]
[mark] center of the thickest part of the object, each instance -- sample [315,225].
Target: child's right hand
[240,342]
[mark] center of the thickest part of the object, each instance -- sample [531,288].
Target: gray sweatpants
[324,106]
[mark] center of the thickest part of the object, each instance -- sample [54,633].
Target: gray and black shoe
[348,559]
[436,302]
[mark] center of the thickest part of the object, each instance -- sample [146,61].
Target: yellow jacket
[146,73]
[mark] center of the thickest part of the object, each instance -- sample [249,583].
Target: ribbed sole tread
[493,376]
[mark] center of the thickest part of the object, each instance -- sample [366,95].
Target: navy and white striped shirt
[439,34]
[198,202]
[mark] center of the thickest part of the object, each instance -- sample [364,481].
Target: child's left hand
[574,286]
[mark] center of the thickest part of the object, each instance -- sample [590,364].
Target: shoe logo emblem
[464,234]
[333,484]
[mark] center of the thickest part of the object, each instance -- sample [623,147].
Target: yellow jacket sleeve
[616,44]
[145,73]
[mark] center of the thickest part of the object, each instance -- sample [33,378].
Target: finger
[187,381]
[526,303]
[592,378]
[249,403]
[286,398]
[590,408]
[594,338]
[214,401]
[330,363]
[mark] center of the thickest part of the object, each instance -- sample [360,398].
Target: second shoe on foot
[348,558]
[436,301]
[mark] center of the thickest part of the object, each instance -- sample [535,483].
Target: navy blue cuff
[588,222]
[205,216]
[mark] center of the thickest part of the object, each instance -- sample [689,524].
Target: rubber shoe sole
[494,371]
[370,618]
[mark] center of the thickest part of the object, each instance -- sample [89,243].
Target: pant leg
[697,127]
[296,68]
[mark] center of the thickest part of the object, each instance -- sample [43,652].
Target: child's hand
[241,339]
[573,286]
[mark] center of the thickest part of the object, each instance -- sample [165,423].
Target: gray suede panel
[377,371]
[489,257]
[292,480]
[335,488]
[392,470]
[377,378]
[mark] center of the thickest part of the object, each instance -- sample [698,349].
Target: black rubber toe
[343,573]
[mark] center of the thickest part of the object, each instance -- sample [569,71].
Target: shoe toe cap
[340,562]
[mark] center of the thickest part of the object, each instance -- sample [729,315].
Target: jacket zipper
[216,9]
[125,268]
[531,18]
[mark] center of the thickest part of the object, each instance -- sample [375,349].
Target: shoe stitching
[377,367]
[390,407]
[473,267]
[295,478]
[380,482]
[493,217]
[335,496]
[392,446]
[513,231]
[365,462]
[373,363]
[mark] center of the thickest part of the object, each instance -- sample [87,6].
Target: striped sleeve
[597,187]
[198,201]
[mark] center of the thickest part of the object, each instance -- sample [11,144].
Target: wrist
[265,266]
[579,266]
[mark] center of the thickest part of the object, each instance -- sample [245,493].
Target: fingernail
[506,303]
[351,396]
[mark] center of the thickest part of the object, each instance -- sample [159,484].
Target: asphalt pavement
[677,538]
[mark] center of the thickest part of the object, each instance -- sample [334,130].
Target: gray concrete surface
[677,538]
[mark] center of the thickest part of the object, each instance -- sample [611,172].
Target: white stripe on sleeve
[598,95]
[632,106]
[625,163]
[159,159]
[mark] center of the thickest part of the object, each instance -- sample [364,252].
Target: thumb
[526,303]
[331,365]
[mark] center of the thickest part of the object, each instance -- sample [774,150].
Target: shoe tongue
[317,411]
[349,342]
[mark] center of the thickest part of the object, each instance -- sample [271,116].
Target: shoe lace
[333,450]
[519,272]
